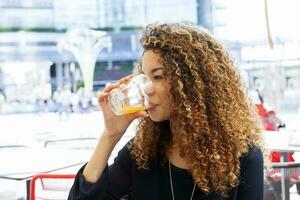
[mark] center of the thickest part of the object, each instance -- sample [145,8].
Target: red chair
[58,189]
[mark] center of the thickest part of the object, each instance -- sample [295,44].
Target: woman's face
[158,96]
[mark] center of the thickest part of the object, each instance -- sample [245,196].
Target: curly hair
[215,120]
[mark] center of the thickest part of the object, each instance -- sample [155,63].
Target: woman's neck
[173,151]
[173,155]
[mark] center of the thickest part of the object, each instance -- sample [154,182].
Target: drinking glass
[130,97]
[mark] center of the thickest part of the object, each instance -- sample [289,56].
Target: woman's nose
[149,89]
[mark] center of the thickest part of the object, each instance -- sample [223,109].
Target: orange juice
[130,97]
[132,109]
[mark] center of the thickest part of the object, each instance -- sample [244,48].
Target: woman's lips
[152,108]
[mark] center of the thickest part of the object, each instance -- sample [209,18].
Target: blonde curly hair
[216,122]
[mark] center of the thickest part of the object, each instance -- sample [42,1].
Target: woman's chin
[153,118]
[156,118]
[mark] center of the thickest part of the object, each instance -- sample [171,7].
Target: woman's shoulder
[251,175]
[253,158]
[124,154]
[253,152]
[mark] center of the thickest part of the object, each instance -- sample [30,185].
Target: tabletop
[22,163]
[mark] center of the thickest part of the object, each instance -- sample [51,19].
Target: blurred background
[261,35]
[55,56]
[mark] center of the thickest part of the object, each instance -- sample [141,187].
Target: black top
[123,179]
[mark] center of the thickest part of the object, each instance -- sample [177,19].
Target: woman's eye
[158,77]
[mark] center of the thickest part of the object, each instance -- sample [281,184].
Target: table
[22,163]
[284,141]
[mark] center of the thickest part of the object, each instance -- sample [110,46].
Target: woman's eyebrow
[156,69]
[153,70]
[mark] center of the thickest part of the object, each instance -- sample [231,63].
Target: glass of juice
[130,97]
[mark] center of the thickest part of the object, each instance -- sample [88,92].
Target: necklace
[171,183]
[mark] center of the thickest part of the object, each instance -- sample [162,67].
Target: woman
[198,140]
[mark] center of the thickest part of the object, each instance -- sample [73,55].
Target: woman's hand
[115,126]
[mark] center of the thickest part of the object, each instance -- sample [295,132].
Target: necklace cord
[171,184]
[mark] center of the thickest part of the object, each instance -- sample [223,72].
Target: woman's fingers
[102,97]
[111,86]
[125,79]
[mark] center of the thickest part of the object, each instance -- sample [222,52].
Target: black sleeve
[252,176]
[114,182]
